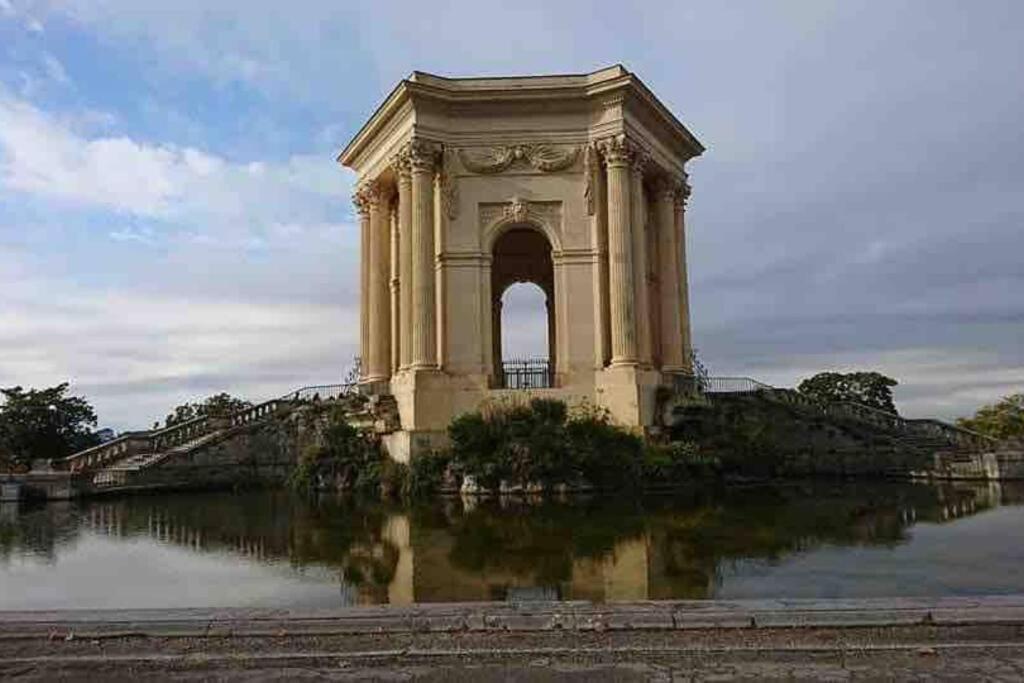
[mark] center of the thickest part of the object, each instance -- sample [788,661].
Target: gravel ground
[835,644]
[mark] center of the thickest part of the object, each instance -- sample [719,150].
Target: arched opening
[523,313]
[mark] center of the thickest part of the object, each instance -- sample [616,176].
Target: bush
[427,472]
[677,461]
[341,458]
[540,443]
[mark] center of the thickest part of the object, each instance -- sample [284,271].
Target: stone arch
[519,218]
[522,252]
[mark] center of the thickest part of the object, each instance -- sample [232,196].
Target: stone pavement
[952,639]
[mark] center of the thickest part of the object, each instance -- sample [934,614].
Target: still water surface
[272,549]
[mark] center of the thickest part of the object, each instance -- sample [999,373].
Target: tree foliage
[44,423]
[217,405]
[1002,420]
[871,389]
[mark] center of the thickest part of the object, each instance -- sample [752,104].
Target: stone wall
[758,436]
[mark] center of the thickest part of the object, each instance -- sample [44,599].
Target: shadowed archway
[522,254]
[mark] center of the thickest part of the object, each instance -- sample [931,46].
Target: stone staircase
[115,463]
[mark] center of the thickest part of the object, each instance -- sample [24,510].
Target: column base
[628,393]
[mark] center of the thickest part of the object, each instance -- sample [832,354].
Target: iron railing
[530,373]
[322,392]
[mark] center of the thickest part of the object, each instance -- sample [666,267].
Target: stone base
[428,400]
[628,393]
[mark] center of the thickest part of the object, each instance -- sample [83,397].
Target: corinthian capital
[401,165]
[375,194]
[361,201]
[423,155]
[683,189]
[617,150]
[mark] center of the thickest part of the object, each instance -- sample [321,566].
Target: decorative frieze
[541,157]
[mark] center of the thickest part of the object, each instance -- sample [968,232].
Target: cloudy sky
[172,222]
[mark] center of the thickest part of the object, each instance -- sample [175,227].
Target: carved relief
[542,157]
[517,210]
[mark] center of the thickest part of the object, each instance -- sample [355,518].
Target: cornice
[497,90]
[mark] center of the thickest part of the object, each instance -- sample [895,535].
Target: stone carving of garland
[542,157]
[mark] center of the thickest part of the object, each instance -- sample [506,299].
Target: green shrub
[341,458]
[676,462]
[542,443]
[427,472]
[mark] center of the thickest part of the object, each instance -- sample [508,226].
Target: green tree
[871,389]
[214,406]
[44,423]
[1002,420]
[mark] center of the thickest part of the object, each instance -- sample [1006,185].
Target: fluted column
[395,289]
[682,195]
[638,216]
[617,154]
[379,295]
[405,287]
[423,161]
[363,207]
[671,342]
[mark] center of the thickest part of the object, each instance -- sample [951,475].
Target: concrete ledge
[523,617]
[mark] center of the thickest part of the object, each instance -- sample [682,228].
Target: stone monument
[468,185]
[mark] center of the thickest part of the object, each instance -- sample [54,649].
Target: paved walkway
[834,640]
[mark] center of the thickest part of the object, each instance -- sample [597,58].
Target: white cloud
[190,191]
[136,354]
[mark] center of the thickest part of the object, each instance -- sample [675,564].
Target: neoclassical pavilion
[468,185]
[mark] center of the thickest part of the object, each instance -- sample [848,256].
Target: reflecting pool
[828,540]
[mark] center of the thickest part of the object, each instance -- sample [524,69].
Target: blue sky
[172,222]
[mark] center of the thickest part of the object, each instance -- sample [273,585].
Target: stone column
[423,161]
[379,296]
[403,171]
[638,217]
[395,283]
[363,207]
[671,342]
[682,195]
[617,156]
[597,208]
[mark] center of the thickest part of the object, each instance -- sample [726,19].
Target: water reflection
[710,542]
